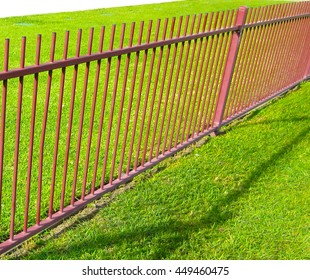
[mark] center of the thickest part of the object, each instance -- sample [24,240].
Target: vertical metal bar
[164,107]
[59,115]
[284,28]
[232,96]
[159,104]
[154,91]
[43,131]
[282,57]
[243,65]
[275,61]
[132,88]
[153,96]
[176,82]
[299,39]
[186,84]
[269,62]
[168,89]
[214,74]
[287,54]
[202,97]
[82,112]
[267,37]
[202,126]
[268,65]
[250,47]
[206,76]
[226,38]
[70,121]
[182,81]
[268,14]
[105,160]
[229,67]
[102,113]
[146,98]
[103,107]
[303,60]
[138,102]
[32,126]
[223,41]
[204,25]
[174,88]
[215,79]
[195,84]
[284,11]
[93,109]
[3,116]
[120,113]
[290,55]
[198,93]
[17,139]
[261,38]
[304,54]
[276,12]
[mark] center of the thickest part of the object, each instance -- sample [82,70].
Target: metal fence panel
[78,127]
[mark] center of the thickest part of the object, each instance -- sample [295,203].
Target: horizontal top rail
[273,21]
[33,69]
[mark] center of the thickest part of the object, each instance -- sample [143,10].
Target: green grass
[30,26]
[242,195]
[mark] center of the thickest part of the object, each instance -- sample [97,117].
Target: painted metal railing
[75,128]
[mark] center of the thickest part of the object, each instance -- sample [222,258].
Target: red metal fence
[75,128]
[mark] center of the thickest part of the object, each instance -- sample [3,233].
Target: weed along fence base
[77,126]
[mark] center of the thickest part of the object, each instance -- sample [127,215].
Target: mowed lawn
[195,196]
[242,195]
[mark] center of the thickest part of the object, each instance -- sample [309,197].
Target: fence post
[229,67]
